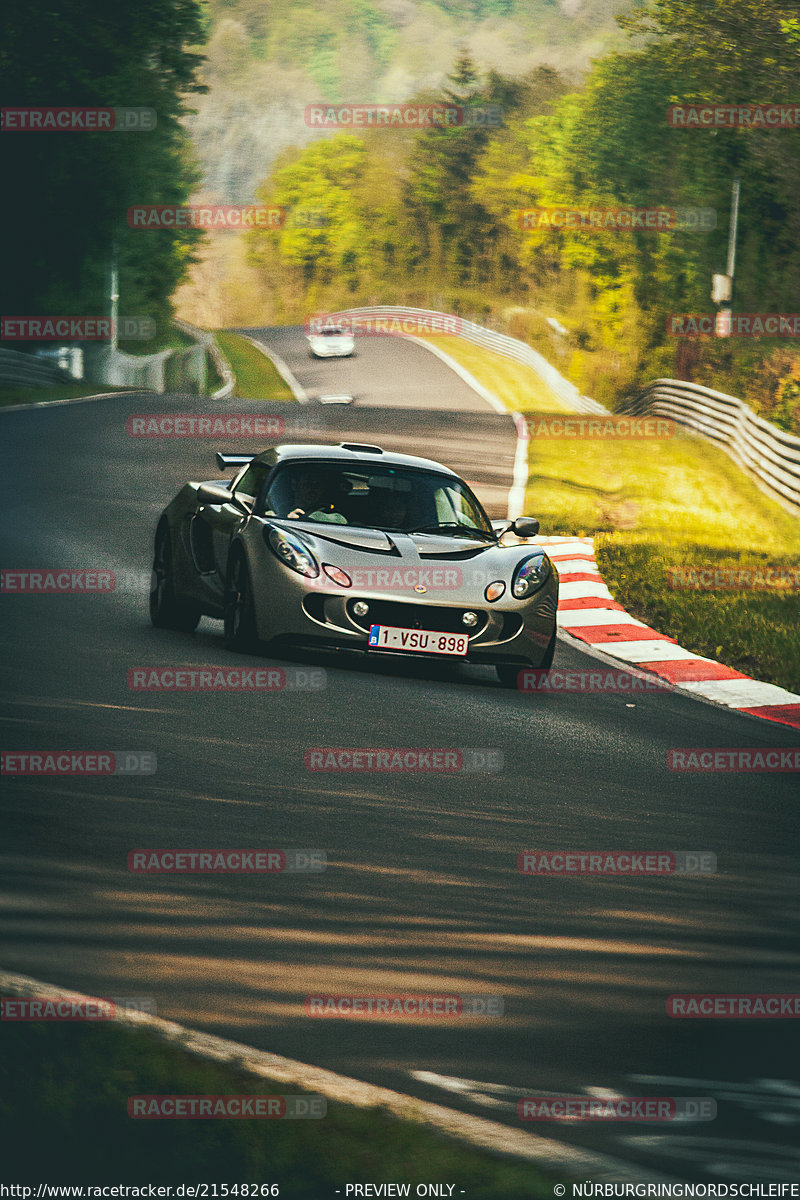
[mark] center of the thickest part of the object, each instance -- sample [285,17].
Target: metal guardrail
[766,452]
[209,344]
[167,370]
[500,343]
[760,448]
[115,368]
[26,370]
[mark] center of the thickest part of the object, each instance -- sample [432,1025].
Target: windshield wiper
[457,528]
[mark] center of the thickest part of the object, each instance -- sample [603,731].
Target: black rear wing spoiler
[233,460]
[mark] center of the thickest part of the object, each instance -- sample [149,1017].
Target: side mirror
[217,494]
[525,527]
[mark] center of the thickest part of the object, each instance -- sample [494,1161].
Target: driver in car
[312,494]
[394,511]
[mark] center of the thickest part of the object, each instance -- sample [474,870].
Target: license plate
[425,641]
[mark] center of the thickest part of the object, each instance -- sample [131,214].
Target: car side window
[252,481]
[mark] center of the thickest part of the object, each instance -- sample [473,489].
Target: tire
[549,654]
[508,675]
[166,610]
[240,615]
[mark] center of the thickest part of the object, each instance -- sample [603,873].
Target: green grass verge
[661,504]
[677,502]
[517,386]
[65,1087]
[256,377]
[214,380]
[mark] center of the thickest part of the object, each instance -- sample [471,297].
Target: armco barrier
[208,341]
[770,454]
[107,365]
[18,369]
[181,370]
[500,343]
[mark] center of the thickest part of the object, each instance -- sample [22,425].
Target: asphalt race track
[422,892]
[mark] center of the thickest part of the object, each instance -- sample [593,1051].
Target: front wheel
[549,653]
[509,675]
[240,615]
[166,610]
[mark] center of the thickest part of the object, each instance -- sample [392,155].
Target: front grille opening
[416,616]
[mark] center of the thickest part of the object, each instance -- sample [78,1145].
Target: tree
[71,191]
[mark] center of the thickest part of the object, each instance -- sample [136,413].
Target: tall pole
[733,228]
[114,296]
[722,285]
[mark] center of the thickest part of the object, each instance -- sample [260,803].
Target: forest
[427,216]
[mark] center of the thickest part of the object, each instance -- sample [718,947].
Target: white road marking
[516,495]
[741,693]
[583,589]
[578,618]
[576,566]
[657,650]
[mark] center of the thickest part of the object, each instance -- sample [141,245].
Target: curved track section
[422,891]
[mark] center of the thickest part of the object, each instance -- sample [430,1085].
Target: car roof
[360,453]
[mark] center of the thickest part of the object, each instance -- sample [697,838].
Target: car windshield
[395,499]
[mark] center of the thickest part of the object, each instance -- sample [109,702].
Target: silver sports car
[331,342]
[351,547]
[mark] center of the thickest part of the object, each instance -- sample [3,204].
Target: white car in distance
[331,342]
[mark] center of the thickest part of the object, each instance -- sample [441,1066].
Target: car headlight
[529,576]
[291,551]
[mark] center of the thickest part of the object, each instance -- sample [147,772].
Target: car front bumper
[317,612]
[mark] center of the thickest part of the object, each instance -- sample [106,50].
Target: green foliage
[440,228]
[72,190]
[75,1081]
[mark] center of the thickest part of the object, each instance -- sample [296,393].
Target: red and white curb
[588,611]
